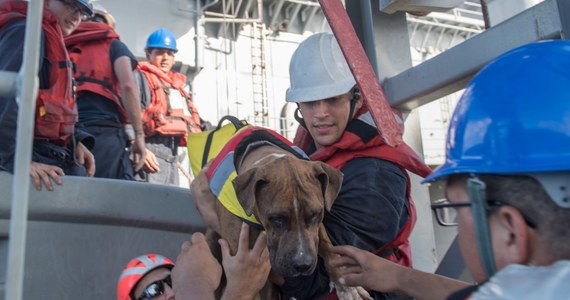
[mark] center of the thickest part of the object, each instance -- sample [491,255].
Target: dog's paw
[351,292]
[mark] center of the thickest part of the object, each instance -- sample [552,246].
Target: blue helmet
[514,116]
[86,4]
[161,38]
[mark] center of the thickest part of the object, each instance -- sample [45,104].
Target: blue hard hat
[86,4]
[514,116]
[161,38]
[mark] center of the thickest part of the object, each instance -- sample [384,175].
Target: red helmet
[136,269]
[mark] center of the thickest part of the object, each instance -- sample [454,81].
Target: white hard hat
[318,70]
[100,14]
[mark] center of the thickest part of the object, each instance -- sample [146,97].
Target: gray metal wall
[82,234]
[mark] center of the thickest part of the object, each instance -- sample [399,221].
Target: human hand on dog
[197,273]
[247,271]
[360,267]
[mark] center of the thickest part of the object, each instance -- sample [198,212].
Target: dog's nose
[303,262]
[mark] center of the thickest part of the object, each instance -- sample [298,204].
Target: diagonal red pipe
[360,66]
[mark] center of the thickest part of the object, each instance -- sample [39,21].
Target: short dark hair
[527,194]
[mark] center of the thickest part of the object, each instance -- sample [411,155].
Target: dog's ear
[246,185]
[331,181]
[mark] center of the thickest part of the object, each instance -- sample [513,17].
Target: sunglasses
[155,288]
[75,8]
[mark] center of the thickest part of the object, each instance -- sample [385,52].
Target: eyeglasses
[446,211]
[155,289]
[75,8]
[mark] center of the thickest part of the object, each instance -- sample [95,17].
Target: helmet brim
[86,7]
[309,94]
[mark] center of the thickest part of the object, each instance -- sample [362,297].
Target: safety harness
[224,167]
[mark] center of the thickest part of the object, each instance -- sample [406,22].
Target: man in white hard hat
[374,210]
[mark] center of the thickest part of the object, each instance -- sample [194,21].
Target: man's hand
[197,273]
[359,267]
[151,163]
[139,152]
[42,173]
[84,157]
[363,268]
[247,271]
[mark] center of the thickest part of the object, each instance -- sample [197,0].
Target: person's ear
[357,96]
[359,104]
[510,237]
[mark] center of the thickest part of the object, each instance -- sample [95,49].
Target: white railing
[26,91]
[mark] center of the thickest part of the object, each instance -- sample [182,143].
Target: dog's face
[289,197]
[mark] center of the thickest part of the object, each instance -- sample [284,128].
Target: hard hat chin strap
[297,115]
[479,208]
[355,96]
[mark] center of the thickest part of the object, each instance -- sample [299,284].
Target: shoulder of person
[375,173]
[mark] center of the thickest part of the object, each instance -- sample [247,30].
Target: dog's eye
[314,219]
[278,221]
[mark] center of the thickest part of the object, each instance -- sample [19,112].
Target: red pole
[360,66]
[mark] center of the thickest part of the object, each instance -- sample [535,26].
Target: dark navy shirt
[12,49]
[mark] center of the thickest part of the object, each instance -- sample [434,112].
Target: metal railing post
[26,98]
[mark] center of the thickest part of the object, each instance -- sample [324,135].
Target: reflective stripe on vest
[222,170]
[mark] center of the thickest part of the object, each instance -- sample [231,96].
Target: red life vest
[91,42]
[158,117]
[56,110]
[357,142]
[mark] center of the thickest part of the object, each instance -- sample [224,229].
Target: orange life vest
[158,117]
[56,110]
[90,43]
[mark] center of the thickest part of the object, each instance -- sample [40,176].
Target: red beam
[360,66]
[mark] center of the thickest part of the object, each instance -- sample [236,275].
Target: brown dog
[288,196]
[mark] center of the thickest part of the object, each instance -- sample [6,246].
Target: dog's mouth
[293,266]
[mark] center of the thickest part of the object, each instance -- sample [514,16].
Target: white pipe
[242,20]
[28,82]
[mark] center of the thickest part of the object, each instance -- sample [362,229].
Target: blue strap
[479,209]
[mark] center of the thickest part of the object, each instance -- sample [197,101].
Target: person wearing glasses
[59,147]
[197,273]
[108,97]
[146,277]
[246,272]
[507,174]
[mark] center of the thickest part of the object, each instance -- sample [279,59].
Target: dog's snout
[302,262]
